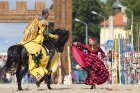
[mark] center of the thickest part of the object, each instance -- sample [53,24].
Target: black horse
[18,55]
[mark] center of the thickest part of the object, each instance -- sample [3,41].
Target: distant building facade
[119,24]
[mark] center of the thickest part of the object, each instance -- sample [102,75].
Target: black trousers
[47,44]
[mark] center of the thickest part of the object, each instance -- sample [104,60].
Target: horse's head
[63,36]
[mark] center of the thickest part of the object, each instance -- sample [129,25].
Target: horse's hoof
[37,84]
[49,88]
[20,89]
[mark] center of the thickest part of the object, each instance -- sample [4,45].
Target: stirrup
[47,50]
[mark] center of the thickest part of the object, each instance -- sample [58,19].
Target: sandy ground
[73,88]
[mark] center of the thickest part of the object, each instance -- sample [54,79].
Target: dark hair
[45,11]
[94,46]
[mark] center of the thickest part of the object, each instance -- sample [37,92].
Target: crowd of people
[3,59]
[78,74]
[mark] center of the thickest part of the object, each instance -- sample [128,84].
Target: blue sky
[11,33]
[103,0]
[30,3]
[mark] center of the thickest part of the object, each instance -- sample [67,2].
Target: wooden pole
[59,70]
[138,55]
[69,62]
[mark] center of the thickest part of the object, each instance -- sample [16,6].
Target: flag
[115,58]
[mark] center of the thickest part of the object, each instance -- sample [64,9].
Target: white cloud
[6,41]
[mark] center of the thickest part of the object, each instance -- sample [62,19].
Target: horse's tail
[13,56]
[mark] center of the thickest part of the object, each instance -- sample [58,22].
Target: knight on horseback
[37,31]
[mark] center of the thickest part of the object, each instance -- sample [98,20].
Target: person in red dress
[97,73]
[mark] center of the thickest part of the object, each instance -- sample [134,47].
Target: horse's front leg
[48,81]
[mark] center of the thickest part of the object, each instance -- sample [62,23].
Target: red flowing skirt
[97,73]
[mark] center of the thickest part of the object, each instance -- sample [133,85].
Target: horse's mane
[63,36]
[59,31]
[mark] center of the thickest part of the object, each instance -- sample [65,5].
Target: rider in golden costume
[36,32]
[37,28]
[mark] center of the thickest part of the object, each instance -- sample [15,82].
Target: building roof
[118,20]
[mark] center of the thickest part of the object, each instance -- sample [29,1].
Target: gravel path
[73,88]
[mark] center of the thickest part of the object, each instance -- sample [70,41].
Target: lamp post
[104,23]
[86,28]
[132,17]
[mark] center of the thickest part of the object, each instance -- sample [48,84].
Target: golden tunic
[35,50]
[31,31]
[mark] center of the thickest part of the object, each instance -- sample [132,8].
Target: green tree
[82,10]
[133,5]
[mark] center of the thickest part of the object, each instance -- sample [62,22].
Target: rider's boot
[51,53]
[48,76]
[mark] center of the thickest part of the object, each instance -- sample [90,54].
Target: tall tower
[63,19]
[116,8]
